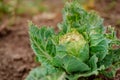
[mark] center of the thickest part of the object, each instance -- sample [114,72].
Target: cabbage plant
[83,47]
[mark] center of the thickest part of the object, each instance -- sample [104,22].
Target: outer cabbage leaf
[70,63]
[41,42]
[55,76]
[87,74]
[45,73]
[112,63]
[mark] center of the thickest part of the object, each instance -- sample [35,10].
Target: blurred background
[16,56]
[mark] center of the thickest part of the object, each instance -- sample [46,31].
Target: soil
[109,10]
[16,55]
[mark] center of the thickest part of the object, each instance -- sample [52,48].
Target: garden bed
[16,56]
